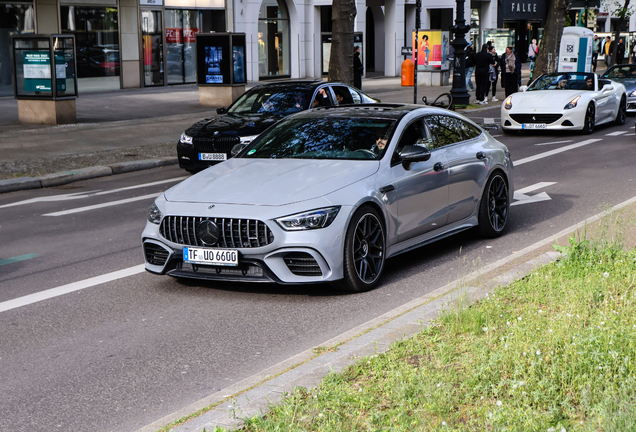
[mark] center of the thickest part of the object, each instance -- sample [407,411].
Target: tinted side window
[414,134]
[445,130]
[469,131]
[343,95]
[355,96]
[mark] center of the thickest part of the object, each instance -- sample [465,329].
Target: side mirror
[490,126]
[221,110]
[607,87]
[411,154]
[523,88]
[237,149]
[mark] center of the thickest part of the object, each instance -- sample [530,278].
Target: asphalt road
[119,354]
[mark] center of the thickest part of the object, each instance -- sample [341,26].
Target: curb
[65,177]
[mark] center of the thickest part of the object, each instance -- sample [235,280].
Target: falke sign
[519,10]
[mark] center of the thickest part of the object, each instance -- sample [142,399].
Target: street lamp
[459,91]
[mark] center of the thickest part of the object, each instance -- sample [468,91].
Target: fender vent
[302,264]
[155,254]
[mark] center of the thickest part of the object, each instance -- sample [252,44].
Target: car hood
[545,99]
[270,182]
[239,125]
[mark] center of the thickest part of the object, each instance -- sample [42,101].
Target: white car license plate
[212,156]
[218,257]
[534,126]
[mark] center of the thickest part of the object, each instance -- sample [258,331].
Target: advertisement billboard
[432,50]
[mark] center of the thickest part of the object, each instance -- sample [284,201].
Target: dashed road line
[555,151]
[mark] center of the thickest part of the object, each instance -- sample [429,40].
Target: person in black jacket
[493,73]
[510,65]
[357,68]
[620,51]
[483,60]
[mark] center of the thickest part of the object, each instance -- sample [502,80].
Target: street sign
[407,51]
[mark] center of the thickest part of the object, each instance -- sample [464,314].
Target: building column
[393,36]
[130,41]
[46,17]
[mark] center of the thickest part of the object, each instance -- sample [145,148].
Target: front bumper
[567,120]
[631,104]
[294,257]
[189,158]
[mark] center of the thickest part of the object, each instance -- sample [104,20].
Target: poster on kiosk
[575,53]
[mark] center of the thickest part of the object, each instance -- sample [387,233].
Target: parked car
[626,75]
[565,101]
[329,194]
[211,141]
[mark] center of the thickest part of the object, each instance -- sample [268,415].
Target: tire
[621,115]
[192,171]
[494,208]
[589,122]
[445,100]
[364,251]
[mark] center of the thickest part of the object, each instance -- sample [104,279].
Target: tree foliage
[623,12]
[549,50]
[341,58]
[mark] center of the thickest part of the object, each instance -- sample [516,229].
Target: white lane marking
[630,134]
[65,289]
[555,151]
[522,198]
[78,195]
[102,205]
[554,142]
[616,133]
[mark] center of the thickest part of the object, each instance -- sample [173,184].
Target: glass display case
[44,67]
[220,59]
[500,38]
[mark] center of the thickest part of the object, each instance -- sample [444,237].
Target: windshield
[324,138]
[564,81]
[621,73]
[261,101]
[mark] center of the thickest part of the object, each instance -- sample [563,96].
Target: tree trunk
[617,33]
[548,57]
[341,58]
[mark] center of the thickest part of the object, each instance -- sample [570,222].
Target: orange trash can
[408,71]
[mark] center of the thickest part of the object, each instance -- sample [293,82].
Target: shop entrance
[152,47]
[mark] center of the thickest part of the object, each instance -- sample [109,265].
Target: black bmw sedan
[211,140]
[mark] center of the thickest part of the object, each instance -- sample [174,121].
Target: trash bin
[408,71]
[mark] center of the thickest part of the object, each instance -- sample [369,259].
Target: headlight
[248,139]
[508,103]
[314,219]
[185,139]
[154,214]
[572,103]
[632,94]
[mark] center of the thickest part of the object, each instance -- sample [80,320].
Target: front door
[152,43]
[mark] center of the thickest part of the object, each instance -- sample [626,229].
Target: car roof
[308,84]
[368,110]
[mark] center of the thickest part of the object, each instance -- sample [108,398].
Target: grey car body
[439,174]
[626,75]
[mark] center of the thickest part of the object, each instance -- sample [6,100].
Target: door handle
[480,155]
[387,189]
[438,166]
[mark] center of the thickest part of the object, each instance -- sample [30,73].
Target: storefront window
[273,39]
[474,29]
[14,19]
[181,26]
[152,47]
[96,31]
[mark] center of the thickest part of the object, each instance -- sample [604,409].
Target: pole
[459,91]
[418,12]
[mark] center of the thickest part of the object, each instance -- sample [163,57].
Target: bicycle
[445,100]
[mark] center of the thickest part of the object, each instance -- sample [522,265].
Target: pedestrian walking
[620,51]
[357,68]
[532,53]
[493,73]
[470,66]
[608,49]
[483,60]
[596,49]
[510,71]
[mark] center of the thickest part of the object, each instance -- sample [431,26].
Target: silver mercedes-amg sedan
[328,195]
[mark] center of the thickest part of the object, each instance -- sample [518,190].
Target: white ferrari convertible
[565,101]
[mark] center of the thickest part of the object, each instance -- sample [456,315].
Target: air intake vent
[222,144]
[155,254]
[302,264]
[233,233]
[536,118]
[567,123]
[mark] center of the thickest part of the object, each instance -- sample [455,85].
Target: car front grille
[536,118]
[233,233]
[302,264]
[222,144]
[155,254]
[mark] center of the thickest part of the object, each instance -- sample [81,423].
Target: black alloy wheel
[364,251]
[621,115]
[494,207]
[588,126]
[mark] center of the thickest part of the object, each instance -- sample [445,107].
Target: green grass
[555,351]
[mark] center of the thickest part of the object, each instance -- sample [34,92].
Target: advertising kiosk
[221,71]
[575,52]
[44,78]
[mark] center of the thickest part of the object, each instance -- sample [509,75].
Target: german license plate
[212,156]
[207,256]
[534,126]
